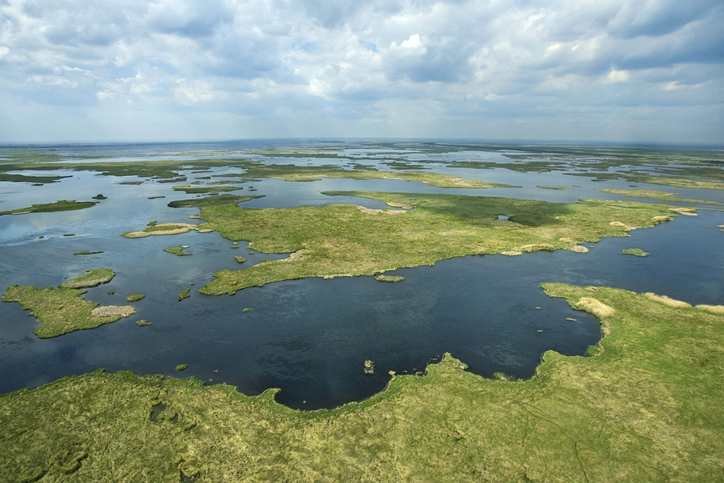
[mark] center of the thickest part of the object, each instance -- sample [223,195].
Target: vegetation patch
[240,259]
[645,407]
[63,310]
[658,195]
[135,297]
[389,278]
[91,278]
[142,323]
[340,240]
[637,252]
[188,189]
[165,229]
[62,205]
[558,188]
[176,251]
[182,367]
[184,294]
[86,252]
[21,178]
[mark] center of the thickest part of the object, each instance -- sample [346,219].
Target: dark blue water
[311,337]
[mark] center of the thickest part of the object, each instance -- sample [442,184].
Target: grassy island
[348,240]
[389,278]
[91,278]
[184,294]
[637,252]
[135,297]
[62,310]
[658,195]
[176,251]
[62,205]
[646,408]
[86,252]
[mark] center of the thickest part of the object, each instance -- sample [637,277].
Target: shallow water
[311,337]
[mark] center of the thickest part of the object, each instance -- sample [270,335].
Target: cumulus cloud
[338,67]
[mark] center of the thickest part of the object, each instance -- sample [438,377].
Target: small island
[637,252]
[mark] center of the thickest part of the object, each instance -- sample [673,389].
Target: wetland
[326,223]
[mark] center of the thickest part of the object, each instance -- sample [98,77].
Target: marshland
[312,244]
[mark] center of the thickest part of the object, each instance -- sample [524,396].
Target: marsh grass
[637,252]
[62,310]
[91,278]
[645,408]
[184,294]
[341,240]
[62,205]
[135,297]
[663,299]
[176,251]
[389,278]
[86,252]
[658,195]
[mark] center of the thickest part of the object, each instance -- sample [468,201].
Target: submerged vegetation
[645,408]
[344,240]
[62,205]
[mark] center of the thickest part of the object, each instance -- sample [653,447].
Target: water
[311,337]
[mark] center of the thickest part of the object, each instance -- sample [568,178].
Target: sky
[598,70]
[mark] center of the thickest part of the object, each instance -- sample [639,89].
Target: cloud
[379,67]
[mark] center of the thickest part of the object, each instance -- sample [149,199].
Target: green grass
[143,323]
[205,189]
[658,195]
[91,278]
[184,294]
[62,205]
[557,188]
[59,310]
[135,297]
[86,252]
[646,408]
[247,309]
[21,178]
[176,251]
[634,251]
[182,367]
[389,278]
[240,259]
[346,240]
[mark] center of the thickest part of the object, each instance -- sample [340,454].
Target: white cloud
[351,63]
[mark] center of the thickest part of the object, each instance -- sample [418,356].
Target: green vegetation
[100,196]
[290,172]
[658,195]
[142,323]
[86,252]
[558,188]
[346,240]
[246,310]
[135,297]
[182,367]
[188,189]
[369,367]
[165,229]
[240,259]
[635,251]
[176,251]
[62,205]
[645,408]
[68,234]
[184,294]
[389,278]
[63,310]
[152,223]
[210,201]
[21,178]
[91,278]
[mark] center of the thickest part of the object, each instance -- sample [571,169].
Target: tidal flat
[626,389]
